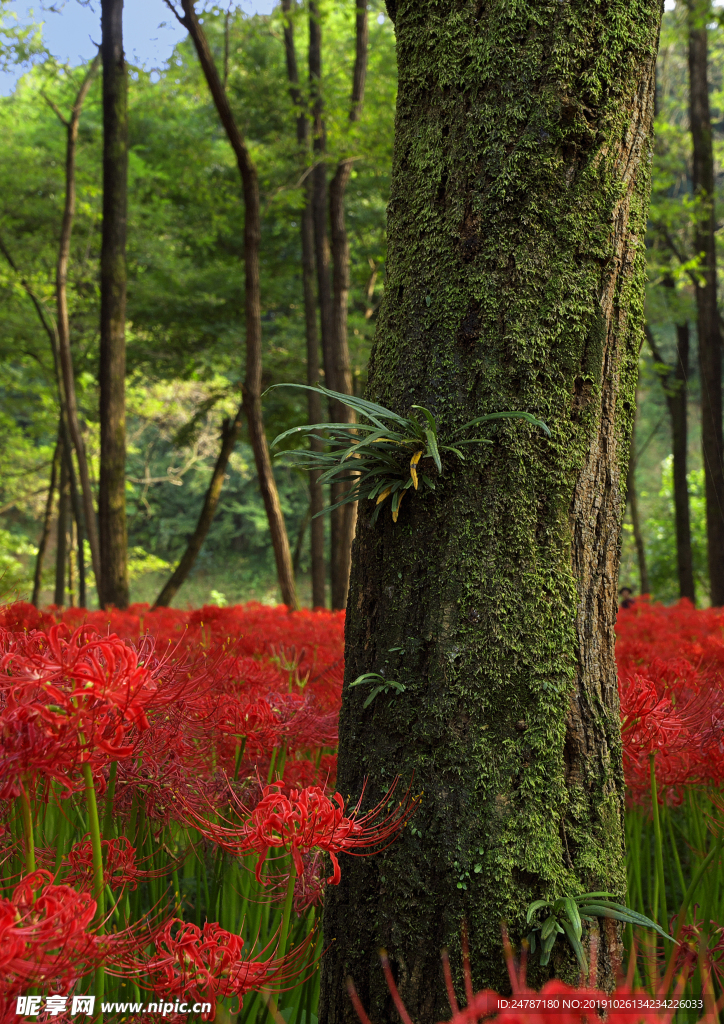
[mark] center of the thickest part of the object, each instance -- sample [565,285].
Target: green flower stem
[110,794]
[677,860]
[239,756]
[94,828]
[287,915]
[271,765]
[659,848]
[281,762]
[27,819]
[691,890]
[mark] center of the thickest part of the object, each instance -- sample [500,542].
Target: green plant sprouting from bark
[391,453]
[565,918]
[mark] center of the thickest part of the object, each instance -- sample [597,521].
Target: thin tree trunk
[61,549]
[710,360]
[338,413]
[51,331]
[112,375]
[71,575]
[230,431]
[515,280]
[47,518]
[60,337]
[297,556]
[251,388]
[675,380]
[314,405]
[78,517]
[633,505]
[340,274]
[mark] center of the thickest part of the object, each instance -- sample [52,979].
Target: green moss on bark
[515,281]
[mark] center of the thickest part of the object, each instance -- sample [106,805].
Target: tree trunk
[675,381]
[251,388]
[633,505]
[679,432]
[112,479]
[314,405]
[515,280]
[47,518]
[340,275]
[78,518]
[60,337]
[706,299]
[61,548]
[230,431]
[60,367]
[338,413]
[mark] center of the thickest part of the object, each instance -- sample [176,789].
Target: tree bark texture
[314,405]
[230,431]
[251,389]
[708,326]
[47,518]
[633,507]
[675,383]
[515,280]
[112,478]
[342,554]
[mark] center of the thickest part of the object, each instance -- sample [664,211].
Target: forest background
[185,328]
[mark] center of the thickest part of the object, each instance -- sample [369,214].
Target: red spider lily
[45,935]
[119,863]
[694,940]
[309,885]
[66,700]
[649,721]
[306,820]
[204,964]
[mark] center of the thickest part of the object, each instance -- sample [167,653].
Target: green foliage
[185,273]
[401,445]
[16,569]
[660,535]
[383,685]
[564,917]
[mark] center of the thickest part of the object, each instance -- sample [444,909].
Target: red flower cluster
[304,821]
[66,699]
[119,863]
[46,936]
[217,694]
[671,685]
[203,964]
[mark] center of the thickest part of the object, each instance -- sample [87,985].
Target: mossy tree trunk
[515,281]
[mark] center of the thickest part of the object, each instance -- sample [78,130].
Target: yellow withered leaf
[413,464]
[384,495]
[396,512]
